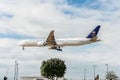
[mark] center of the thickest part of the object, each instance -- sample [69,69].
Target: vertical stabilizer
[94,32]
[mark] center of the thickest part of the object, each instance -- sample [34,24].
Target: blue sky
[34,19]
[85,3]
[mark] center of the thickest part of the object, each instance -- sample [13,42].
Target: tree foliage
[52,68]
[111,75]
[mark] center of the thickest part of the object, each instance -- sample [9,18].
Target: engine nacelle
[40,43]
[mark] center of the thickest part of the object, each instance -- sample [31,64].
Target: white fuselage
[60,42]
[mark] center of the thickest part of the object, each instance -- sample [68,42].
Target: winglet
[94,32]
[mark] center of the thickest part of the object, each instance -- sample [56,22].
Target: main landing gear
[56,48]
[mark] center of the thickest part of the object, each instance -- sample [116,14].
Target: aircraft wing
[51,42]
[51,39]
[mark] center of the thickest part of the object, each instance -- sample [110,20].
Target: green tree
[53,68]
[111,75]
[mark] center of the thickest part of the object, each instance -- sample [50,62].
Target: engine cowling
[40,43]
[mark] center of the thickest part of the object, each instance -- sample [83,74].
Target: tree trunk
[56,78]
[52,78]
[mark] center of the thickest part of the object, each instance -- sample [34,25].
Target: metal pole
[7,72]
[94,66]
[107,67]
[15,71]
[84,74]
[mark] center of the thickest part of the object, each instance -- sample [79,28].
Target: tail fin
[94,32]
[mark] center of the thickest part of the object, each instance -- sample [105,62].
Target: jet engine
[40,43]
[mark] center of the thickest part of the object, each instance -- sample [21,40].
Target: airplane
[56,44]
